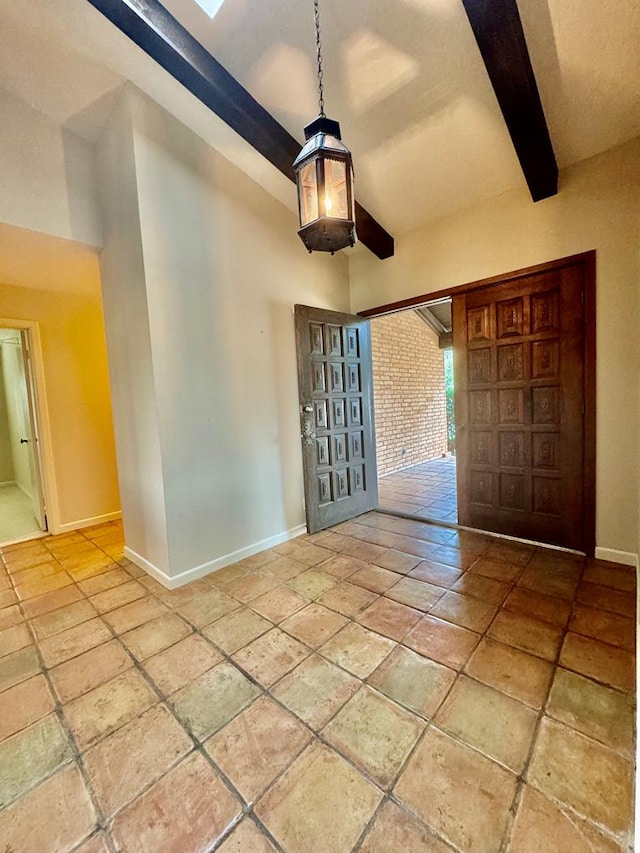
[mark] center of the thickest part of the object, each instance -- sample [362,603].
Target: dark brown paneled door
[336,416]
[519,369]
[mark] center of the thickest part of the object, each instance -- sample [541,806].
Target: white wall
[124,294]
[222,267]
[47,176]
[6,458]
[598,207]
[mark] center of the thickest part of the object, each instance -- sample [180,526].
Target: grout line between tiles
[248,810]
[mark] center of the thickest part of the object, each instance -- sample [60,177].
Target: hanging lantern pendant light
[324,178]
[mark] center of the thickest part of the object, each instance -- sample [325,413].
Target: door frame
[47,467]
[587,260]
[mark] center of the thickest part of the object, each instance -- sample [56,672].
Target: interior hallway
[386,686]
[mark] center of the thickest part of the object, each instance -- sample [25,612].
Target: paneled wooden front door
[336,416]
[519,372]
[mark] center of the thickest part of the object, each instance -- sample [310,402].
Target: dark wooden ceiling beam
[498,30]
[164,39]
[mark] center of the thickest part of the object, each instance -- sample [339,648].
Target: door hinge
[582,297]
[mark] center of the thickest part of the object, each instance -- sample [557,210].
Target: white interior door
[32,438]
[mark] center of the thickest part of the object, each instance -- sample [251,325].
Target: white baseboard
[87,522]
[176,581]
[626,558]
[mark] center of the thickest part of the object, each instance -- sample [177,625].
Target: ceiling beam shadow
[498,30]
[149,25]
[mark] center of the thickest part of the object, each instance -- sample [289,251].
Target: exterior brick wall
[408,387]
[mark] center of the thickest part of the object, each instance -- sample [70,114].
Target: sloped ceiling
[404,78]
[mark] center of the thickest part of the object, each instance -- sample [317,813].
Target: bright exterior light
[324,177]
[210,6]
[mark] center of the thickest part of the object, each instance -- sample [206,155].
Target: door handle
[24,441]
[307,409]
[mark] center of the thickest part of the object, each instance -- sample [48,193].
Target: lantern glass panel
[308,193]
[336,199]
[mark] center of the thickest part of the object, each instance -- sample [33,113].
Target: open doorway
[414,412]
[22,513]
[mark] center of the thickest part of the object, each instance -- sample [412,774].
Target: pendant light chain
[319,53]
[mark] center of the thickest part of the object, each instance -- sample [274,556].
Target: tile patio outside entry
[427,490]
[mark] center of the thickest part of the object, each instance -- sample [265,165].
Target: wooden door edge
[588,259]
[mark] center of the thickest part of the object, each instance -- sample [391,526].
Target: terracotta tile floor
[427,490]
[387,686]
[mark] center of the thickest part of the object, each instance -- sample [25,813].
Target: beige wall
[409,396]
[77,395]
[598,207]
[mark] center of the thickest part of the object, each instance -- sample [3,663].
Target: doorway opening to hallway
[22,510]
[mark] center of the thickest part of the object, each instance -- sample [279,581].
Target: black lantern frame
[324,178]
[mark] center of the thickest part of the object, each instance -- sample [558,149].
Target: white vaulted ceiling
[404,78]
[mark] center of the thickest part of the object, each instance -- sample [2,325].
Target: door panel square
[545,313]
[320,410]
[546,405]
[334,341]
[338,420]
[319,383]
[480,407]
[341,483]
[546,450]
[546,360]
[511,406]
[355,411]
[478,324]
[546,495]
[317,338]
[511,363]
[357,479]
[512,449]
[509,318]
[481,487]
[322,451]
[351,343]
[479,365]
[480,446]
[337,380]
[324,489]
[356,446]
[512,492]
[339,448]
[353,378]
